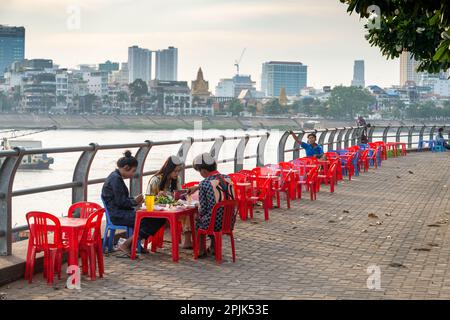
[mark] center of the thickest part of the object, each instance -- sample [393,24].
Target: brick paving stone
[299,254]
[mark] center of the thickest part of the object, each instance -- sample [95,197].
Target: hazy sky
[208,33]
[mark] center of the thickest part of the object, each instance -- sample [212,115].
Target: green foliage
[251,108]
[138,88]
[420,27]
[236,107]
[122,96]
[428,110]
[274,107]
[348,102]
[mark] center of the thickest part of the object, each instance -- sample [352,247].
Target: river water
[57,202]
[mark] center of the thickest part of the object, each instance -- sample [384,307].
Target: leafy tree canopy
[421,27]
[138,88]
[348,102]
[236,107]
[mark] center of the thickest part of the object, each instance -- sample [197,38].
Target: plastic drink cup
[149,202]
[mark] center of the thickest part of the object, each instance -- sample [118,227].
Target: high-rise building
[408,68]
[166,64]
[358,74]
[225,88]
[108,66]
[12,46]
[243,82]
[232,88]
[121,76]
[283,74]
[139,64]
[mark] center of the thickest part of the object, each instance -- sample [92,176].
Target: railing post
[356,136]
[215,149]
[182,154]
[433,128]
[385,133]
[331,139]
[421,132]
[7,173]
[239,154]
[141,156]
[323,134]
[296,152]
[398,133]
[370,133]
[260,150]
[410,134]
[347,137]
[81,174]
[282,146]
[339,138]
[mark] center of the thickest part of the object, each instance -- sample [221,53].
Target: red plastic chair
[158,239]
[335,156]
[383,148]
[190,184]
[84,208]
[243,195]
[347,164]
[45,236]
[311,183]
[364,160]
[372,158]
[330,177]
[288,168]
[91,245]
[285,184]
[247,173]
[228,215]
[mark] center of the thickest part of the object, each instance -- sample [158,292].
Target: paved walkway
[325,249]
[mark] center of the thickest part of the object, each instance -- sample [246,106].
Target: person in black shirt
[122,207]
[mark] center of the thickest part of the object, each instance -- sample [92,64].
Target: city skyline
[297,33]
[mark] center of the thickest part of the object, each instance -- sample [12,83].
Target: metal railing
[330,138]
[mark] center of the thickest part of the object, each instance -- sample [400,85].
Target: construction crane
[237,62]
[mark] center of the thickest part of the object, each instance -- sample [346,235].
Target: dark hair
[312,135]
[127,160]
[168,167]
[440,129]
[205,161]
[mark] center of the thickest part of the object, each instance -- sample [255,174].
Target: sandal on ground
[125,251]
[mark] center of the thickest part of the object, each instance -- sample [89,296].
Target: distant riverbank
[123,122]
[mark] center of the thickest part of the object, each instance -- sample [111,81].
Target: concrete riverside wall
[24,121]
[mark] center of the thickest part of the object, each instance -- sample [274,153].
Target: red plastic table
[172,216]
[73,227]
[242,190]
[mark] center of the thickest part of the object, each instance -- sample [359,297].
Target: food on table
[164,200]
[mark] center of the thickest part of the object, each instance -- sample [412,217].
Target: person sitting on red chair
[214,188]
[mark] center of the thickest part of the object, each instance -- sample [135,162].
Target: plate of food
[164,200]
